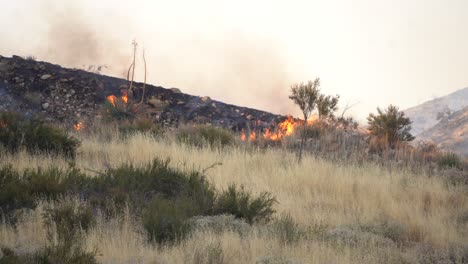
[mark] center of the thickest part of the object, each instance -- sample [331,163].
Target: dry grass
[318,194]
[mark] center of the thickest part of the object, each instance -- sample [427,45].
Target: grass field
[338,213]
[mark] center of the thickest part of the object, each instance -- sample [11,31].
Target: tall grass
[326,200]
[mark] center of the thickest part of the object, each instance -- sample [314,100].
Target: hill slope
[452,133]
[424,116]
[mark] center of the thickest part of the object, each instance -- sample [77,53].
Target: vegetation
[305,96]
[202,135]
[18,132]
[450,160]
[390,125]
[327,105]
[136,203]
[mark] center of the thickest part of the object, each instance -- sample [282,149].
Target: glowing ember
[78,126]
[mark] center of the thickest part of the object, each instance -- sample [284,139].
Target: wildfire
[285,128]
[113,99]
[78,126]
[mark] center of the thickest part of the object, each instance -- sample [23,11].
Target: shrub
[118,110]
[35,136]
[450,160]
[241,204]
[200,136]
[286,230]
[391,125]
[210,254]
[69,221]
[166,220]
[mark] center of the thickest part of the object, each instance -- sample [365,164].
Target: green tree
[305,95]
[390,124]
[327,105]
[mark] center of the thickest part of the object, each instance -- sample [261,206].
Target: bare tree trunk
[130,88]
[144,83]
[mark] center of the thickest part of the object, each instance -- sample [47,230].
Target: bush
[35,136]
[286,230]
[70,220]
[118,110]
[450,160]
[166,220]
[19,190]
[200,136]
[391,125]
[241,204]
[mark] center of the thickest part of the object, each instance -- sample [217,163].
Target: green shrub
[166,220]
[241,204]
[70,220]
[35,136]
[117,111]
[286,230]
[450,160]
[200,136]
[20,190]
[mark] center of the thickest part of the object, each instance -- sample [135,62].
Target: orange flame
[242,136]
[285,128]
[125,97]
[78,126]
[112,99]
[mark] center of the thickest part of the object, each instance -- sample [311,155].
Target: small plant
[200,136]
[34,135]
[450,160]
[241,204]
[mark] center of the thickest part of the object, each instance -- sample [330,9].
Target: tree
[305,96]
[391,125]
[327,105]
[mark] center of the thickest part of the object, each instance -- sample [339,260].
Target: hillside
[451,133]
[72,96]
[424,116]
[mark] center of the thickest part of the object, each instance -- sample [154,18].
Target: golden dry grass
[318,194]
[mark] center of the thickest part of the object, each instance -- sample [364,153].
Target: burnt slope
[68,96]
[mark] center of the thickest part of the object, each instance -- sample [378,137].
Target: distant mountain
[451,133]
[424,116]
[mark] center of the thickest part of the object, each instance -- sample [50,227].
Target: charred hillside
[69,96]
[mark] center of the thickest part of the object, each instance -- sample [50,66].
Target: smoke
[226,64]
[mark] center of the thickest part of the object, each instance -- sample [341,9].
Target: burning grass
[339,213]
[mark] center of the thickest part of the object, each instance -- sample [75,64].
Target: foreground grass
[348,214]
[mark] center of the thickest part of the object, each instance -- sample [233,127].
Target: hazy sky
[373,52]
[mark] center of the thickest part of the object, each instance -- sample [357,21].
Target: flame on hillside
[78,126]
[112,99]
[284,129]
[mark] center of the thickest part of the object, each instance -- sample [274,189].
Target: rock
[176,90]
[158,104]
[205,99]
[213,105]
[249,117]
[45,106]
[46,76]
